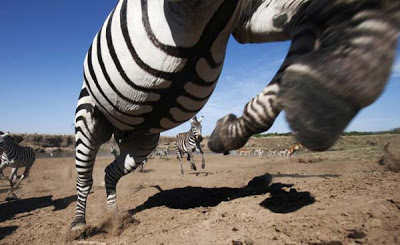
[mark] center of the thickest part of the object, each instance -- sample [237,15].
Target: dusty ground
[337,197]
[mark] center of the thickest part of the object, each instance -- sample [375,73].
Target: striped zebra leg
[2,166]
[190,158]
[179,156]
[91,131]
[134,149]
[13,176]
[23,176]
[203,161]
[260,113]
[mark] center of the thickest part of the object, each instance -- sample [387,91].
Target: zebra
[15,156]
[189,142]
[162,152]
[154,64]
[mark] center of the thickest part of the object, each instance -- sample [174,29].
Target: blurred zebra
[15,156]
[154,64]
[163,152]
[189,142]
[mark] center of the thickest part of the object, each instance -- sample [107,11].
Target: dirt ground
[342,196]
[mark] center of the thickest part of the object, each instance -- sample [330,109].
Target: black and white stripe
[15,156]
[189,142]
[154,64]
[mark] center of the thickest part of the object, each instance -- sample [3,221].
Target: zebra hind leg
[2,166]
[23,176]
[134,149]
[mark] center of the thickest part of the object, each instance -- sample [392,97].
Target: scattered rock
[236,242]
[356,234]
[248,242]
[326,243]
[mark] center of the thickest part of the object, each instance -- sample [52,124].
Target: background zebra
[154,64]
[15,156]
[163,152]
[189,142]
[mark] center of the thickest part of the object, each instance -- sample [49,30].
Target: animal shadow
[8,230]
[301,176]
[10,209]
[193,197]
[201,173]
[145,171]
[282,201]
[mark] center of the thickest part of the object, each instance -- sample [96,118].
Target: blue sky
[43,44]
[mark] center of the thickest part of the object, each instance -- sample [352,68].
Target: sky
[43,44]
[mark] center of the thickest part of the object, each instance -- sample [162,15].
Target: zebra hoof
[220,140]
[203,166]
[78,225]
[11,197]
[317,116]
[193,167]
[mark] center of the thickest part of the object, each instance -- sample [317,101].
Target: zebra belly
[155,110]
